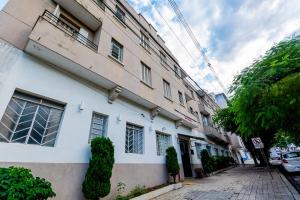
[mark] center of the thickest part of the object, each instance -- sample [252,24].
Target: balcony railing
[100,3]
[48,16]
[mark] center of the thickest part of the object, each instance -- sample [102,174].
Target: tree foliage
[266,95]
[19,183]
[172,162]
[97,179]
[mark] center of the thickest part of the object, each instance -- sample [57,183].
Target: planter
[156,193]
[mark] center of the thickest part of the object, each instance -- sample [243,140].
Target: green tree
[172,162]
[19,183]
[97,179]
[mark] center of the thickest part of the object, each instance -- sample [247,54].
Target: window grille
[98,126]
[30,120]
[167,89]
[163,141]
[180,96]
[163,59]
[198,150]
[146,74]
[134,142]
[117,50]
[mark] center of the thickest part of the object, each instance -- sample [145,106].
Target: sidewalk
[240,183]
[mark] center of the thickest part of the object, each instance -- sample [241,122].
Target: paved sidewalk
[240,183]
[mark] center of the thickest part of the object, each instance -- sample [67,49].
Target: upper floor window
[163,58]
[120,14]
[145,41]
[167,89]
[98,126]
[163,141]
[180,97]
[205,119]
[100,3]
[116,50]
[31,120]
[177,71]
[191,110]
[146,74]
[192,93]
[134,142]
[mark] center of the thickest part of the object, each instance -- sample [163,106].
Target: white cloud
[234,32]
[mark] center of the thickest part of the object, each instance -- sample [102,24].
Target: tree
[97,180]
[19,183]
[266,95]
[172,162]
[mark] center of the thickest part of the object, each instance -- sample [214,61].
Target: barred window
[167,89]
[163,58]
[31,120]
[98,126]
[146,74]
[116,50]
[198,150]
[180,96]
[163,141]
[134,142]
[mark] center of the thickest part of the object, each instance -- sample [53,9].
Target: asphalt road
[293,178]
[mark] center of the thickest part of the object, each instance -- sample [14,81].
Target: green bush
[172,162]
[137,191]
[97,180]
[208,163]
[19,183]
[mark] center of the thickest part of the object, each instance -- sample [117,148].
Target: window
[145,41]
[116,50]
[163,141]
[205,120]
[180,96]
[216,152]
[163,58]
[120,14]
[208,150]
[198,150]
[192,93]
[196,115]
[222,153]
[146,74]
[30,120]
[98,126]
[167,89]
[177,71]
[191,110]
[134,139]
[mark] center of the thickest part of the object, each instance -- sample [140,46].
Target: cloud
[234,33]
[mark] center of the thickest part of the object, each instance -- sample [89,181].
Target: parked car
[291,161]
[275,159]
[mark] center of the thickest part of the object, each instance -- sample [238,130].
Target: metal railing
[59,23]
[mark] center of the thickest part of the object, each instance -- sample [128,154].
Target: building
[237,146]
[72,70]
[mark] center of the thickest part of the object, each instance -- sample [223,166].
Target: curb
[161,191]
[291,188]
[221,170]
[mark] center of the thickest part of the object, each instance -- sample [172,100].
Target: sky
[2,3]
[233,33]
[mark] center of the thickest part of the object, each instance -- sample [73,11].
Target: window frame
[167,89]
[120,14]
[37,110]
[163,59]
[159,150]
[181,100]
[143,140]
[145,41]
[177,71]
[105,126]
[144,77]
[120,48]
[199,145]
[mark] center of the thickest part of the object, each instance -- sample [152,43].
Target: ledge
[156,193]
[168,98]
[149,86]
[120,21]
[115,60]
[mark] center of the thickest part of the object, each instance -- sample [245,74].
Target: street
[240,183]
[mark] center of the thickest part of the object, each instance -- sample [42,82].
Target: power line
[194,39]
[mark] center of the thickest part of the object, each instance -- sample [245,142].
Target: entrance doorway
[185,156]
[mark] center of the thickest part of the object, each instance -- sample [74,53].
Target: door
[185,156]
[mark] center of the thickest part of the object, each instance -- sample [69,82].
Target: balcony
[202,109]
[87,11]
[215,135]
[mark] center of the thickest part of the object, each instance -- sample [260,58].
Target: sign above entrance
[258,144]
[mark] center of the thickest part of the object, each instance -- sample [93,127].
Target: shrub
[208,163]
[172,162]
[97,180]
[19,183]
[137,191]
